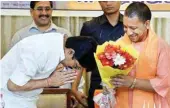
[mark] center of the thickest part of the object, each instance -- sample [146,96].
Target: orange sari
[153,64]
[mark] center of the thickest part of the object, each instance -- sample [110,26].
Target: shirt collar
[103,19]
[52,27]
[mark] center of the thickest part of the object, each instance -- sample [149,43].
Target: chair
[54,98]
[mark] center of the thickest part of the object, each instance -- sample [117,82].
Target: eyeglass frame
[40,9]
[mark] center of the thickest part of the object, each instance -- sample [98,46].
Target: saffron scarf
[146,68]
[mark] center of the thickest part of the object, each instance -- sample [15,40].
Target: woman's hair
[84,48]
[140,10]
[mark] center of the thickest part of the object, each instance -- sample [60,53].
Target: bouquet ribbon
[104,100]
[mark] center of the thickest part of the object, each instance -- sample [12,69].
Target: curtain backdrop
[10,24]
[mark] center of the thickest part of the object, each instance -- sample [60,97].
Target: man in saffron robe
[148,84]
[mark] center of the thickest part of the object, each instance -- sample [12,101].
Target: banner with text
[84,5]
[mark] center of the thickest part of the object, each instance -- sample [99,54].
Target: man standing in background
[108,26]
[41,12]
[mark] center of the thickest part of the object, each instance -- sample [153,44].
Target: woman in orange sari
[148,84]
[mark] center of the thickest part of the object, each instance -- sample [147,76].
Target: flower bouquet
[114,58]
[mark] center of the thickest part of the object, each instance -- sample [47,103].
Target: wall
[11,23]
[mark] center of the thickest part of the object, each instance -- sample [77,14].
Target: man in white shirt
[31,65]
[41,12]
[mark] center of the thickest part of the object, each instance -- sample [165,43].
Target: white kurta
[35,57]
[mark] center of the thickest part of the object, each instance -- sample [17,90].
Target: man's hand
[59,77]
[127,81]
[81,97]
[122,81]
[74,102]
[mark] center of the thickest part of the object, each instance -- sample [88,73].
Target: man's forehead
[42,3]
[131,17]
[130,20]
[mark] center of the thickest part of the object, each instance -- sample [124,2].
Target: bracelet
[133,84]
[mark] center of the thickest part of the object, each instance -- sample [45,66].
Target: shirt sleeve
[161,82]
[26,66]
[16,38]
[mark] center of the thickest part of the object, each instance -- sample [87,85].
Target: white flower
[119,60]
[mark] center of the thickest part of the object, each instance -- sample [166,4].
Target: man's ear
[31,11]
[65,37]
[147,24]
